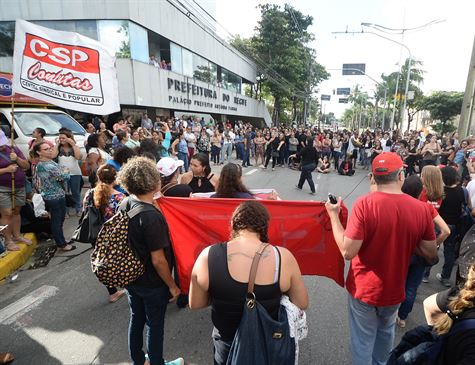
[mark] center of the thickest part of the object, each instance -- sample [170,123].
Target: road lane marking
[10,314]
[250,172]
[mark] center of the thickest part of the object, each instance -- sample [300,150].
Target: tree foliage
[286,65]
[443,107]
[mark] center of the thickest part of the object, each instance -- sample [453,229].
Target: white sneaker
[178,361]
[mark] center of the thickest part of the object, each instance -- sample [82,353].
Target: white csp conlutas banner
[65,69]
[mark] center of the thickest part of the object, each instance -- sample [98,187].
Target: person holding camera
[49,181]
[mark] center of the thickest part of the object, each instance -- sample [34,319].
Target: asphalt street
[60,314]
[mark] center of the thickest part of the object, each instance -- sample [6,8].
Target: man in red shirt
[384,229]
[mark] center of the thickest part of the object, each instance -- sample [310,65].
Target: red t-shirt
[436,204]
[391,226]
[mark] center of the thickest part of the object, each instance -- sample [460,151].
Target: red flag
[302,227]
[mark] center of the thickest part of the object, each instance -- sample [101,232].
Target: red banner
[302,227]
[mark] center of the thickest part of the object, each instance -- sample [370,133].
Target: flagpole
[12,137]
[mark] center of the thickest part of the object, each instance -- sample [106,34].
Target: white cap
[167,165]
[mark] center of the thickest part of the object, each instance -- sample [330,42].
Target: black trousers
[306,174]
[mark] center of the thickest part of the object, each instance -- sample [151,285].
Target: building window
[138,43]
[187,58]
[87,28]
[203,70]
[230,81]
[7,36]
[115,34]
[176,58]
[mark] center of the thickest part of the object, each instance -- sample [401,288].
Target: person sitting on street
[346,167]
[324,165]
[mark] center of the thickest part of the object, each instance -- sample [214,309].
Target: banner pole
[12,137]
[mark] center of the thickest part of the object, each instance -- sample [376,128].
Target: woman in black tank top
[221,273]
[200,179]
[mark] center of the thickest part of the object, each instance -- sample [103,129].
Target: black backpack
[422,346]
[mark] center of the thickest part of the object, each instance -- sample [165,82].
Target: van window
[50,122]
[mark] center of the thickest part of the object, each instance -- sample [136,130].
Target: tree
[443,106]
[286,66]
[390,81]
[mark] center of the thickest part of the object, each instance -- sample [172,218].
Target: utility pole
[467,112]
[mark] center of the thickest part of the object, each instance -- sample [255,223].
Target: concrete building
[168,61]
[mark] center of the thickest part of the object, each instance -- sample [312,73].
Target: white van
[51,120]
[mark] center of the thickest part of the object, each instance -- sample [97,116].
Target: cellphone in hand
[332,199]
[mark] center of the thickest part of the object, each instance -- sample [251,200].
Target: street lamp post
[408,67]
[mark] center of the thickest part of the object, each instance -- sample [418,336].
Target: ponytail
[464,300]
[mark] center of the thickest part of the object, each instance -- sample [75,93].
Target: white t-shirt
[383,144]
[104,155]
[471,191]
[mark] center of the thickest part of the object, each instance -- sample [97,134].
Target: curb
[16,259]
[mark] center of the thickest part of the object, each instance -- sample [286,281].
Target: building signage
[353,69]
[65,69]
[187,91]
[6,92]
[343,91]
[325,97]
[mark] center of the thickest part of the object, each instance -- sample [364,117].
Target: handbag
[89,225]
[260,339]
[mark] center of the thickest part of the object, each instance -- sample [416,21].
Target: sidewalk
[16,259]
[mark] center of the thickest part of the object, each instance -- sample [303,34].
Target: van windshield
[50,122]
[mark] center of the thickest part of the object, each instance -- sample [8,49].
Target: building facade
[168,62]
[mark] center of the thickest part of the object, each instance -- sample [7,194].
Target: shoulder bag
[260,339]
[90,224]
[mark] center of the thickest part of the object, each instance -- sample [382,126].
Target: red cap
[386,162]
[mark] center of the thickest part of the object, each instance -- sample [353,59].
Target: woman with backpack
[148,237]
[221,273]
[107,200]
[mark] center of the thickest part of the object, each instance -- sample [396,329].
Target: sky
[443,48]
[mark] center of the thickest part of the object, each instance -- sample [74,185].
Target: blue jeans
[215,151]
[57,210]
[371,332]
[240,151]
[306,174]
[336,157]
[221,349]
[147,307]
[184,157]
[413,280]
[75,188]
[245,158]
[226,152]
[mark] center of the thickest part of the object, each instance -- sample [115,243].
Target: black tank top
[228,295]
[201,184]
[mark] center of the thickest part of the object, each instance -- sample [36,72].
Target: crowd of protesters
[420,181]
